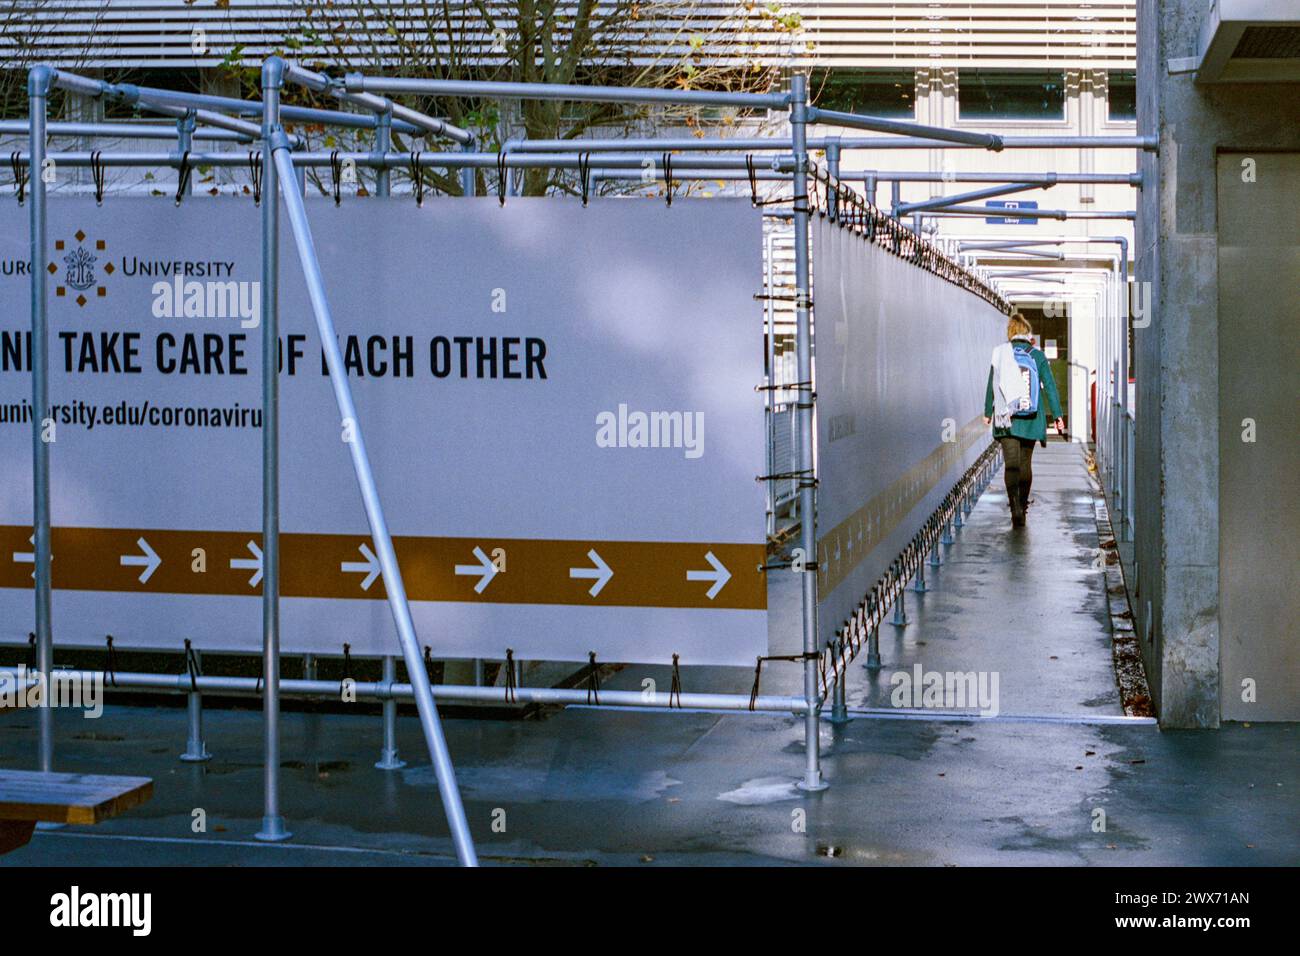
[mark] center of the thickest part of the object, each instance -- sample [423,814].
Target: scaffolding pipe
[39,79]
[117,130]
[1062,214]
[228,104]
[758,144]
[692,172]
[383,143]
[273,827]
[380,536]
[1012,253]
[1011,244]
[940,202]
[877,125]
[388,755]
[357,83]
[173,104]
[455,693]
[451,160]
[248,132]
[378,105]
[812,780]
[957,176]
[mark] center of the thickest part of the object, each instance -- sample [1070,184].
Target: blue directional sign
[1011,220]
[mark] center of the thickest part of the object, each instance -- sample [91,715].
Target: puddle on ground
[762,790]
[527,785]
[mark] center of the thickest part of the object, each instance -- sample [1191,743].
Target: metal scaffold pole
[812,779]
[38,88]
[273,828]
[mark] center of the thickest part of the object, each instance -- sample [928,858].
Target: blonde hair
[1018,325]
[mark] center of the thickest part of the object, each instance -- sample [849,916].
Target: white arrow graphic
[601,572]
[368,567]
[719,575]
[28,557]
[485,567]
[149,560]
[250,564]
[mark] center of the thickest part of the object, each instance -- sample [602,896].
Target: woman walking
[1020,402]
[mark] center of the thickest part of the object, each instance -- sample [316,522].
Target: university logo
[79,264]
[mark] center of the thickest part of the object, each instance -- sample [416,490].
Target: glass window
[1121,101]
[888,93]
[1011,94]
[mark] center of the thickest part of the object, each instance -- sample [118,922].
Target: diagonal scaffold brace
[392,575]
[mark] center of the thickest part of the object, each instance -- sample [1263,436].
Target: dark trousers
[1018,456]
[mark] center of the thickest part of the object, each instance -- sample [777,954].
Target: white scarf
[1008,385]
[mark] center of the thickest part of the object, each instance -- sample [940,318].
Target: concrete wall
[1176,578]
[1259,439]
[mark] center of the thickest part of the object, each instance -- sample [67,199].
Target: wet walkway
[1026,604]
[645,788]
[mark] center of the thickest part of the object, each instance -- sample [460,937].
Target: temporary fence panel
[559,402]
[902,365]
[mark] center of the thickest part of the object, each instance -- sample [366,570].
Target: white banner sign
[558,402]
[902,363]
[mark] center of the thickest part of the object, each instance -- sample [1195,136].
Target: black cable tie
[428,662]
[807,302]
[510,677]
[97,173]
[502,172]
[417,178]
[31,651]
[584,175]
[20,174]
[192,665]
[758,669]
[255,173]
[183,177]
[593,680]
[784,565]
[799,386]
[780,200]
[336,174]
[805,476]
[110,666]
[753,691]
[676,688]
[668,178]
[347,667]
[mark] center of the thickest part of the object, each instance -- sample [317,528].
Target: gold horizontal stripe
[645,573]
[844,547]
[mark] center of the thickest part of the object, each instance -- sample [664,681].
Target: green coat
[1033,429]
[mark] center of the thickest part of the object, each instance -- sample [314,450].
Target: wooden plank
[68,797]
